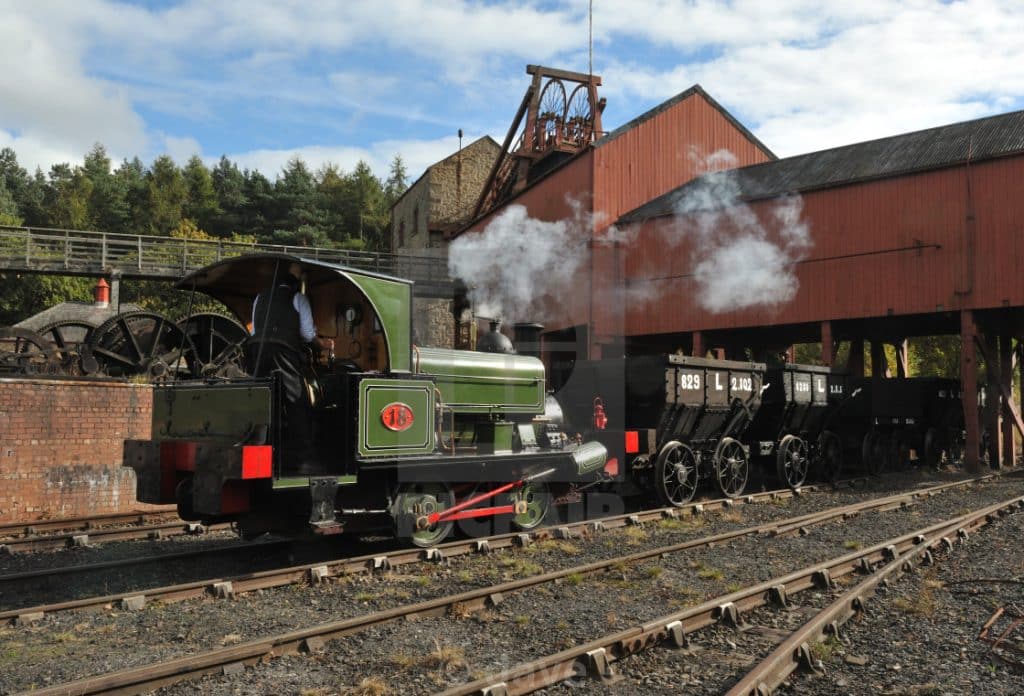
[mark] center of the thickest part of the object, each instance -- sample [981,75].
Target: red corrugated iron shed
[925,222]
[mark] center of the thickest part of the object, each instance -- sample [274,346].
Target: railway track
[231,659]
[595,659]
[319,572]
[73,524]
[91,536]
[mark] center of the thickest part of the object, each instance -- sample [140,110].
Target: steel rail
[86,538]
[146,678]
[794,651]
[325,571]
[319,572]
[595,658]
[30,528]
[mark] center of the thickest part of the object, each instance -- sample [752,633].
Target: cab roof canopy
[237,281]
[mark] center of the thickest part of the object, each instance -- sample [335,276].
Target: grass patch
[852,545]
[922,603]
[676,524]
[574,578]
[634,535]
[559,545]
[365,596]
[522,620]
[445,657]
[521,566]
[825,649]
[731,515]
[709,573]
[653,572]
[370,686]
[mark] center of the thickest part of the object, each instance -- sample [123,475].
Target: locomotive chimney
[101,293]
[527,338]
[494,341]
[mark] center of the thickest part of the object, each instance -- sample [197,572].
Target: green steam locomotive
[393,435]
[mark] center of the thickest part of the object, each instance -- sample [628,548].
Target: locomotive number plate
[397,416]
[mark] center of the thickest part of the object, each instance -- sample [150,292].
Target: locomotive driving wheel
[732,467]
[675,474]
[531,502]
[414,502]
[830,456]
[218,340]
[142,343]
[791,461]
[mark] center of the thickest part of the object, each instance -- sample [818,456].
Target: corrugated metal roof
[934,148]
[668,104]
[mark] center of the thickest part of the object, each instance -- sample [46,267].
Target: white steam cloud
[517,263]
[739,260]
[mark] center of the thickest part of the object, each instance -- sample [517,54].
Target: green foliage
[328,208]
[24,294]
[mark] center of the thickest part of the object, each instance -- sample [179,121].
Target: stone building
[439,203]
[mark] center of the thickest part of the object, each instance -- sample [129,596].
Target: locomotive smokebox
[494,341]
[527,338]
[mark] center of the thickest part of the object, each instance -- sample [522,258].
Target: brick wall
[61,447]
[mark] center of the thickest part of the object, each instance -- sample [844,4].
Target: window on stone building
[401,233]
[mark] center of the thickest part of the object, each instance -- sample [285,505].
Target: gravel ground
[425,655]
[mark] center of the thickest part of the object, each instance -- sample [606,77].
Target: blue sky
[339,81]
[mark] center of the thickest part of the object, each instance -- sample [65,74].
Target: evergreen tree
[229,186]
[109,209]
[68,195]
[131,176]
[166,194]
[397,182]
[8,208]
[201,202]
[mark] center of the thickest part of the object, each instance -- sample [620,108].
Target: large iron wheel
[791,461]
[579,116]
[830,456]
[218,341]
[675,474]
[71,337]
[874,451]
[413,503]
[732,467]
[532,502]
[143,343]
[550,112]
[24,352]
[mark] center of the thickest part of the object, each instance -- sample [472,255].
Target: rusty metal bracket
[728,614]
[677,635]
[823,579]
[779,595]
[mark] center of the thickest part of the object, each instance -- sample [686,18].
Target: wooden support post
[1006,387]
[969,382]
[991,411]
[855,361]
[879,365]
[698,345]
[902,359]
[828,348]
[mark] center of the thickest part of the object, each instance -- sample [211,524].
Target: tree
[201,201]
[396,184]
[68,195]
[166,194]
[14,178]
[8,208]
[27,295]
[109,209]
[229,186]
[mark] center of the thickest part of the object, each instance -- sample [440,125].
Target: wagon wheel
[898,451]
[579,116]
[731,467]
[830,456]
[25,352]
[550,112]
[413,502]
[675,474]
[874,452]
[142,343]
[218,341]
[791,461]
[533,501]
[71,337]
